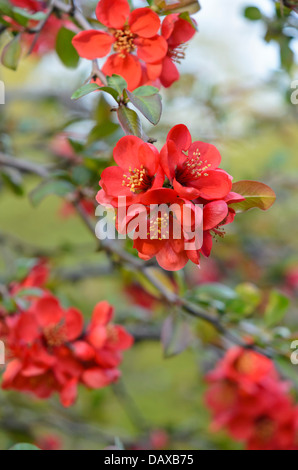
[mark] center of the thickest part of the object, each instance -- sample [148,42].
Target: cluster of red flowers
[184,176]
[140,54]
[46,39]
[49,349]
[248,399]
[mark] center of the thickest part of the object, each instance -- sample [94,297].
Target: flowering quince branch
[51,349]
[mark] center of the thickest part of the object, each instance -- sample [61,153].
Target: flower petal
[214,213]
[102,313]
[128,67]
[177,30]
[209,154]
[151,50]
[126,152]
[169,73]
[144,22]
[69,393]
[170,158]
[74,324]
[169,260]
[113,13]
[97,336]
[48,311]
[93,44]
[181,136]
[214,186]
[98,378]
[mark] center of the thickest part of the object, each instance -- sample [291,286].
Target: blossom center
[177,54]
[137,180]
[124,41]
[54,335]
[159,227]
[193,168]
[264,428]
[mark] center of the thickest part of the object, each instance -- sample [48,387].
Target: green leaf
[117,82]
[24,447]
[248,299]
[256,195]
[176,335]
[47,188]
[146,91]
[102,131]
[215,291]
[85,90]
[11,53]
[276,309]
[149,106]
[64,48]
[252,13]
[111,92]
[129,121]
[81,175]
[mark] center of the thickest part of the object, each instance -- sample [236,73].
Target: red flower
[51,353]
[192,168]
[106,341]
[163,226]
[138,171]
[177,31]
[247,398]
[128,32]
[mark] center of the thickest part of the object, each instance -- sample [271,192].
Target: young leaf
[256,195]
[129,121]
[57,187]
[85,90]
[276,309]
[11,53]
[146,91]
[252,13]
[111,92]
[117,82]
[64,48]
[149,106]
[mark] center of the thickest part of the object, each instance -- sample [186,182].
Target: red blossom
[248,399]
[133,36]
[46,39]
[138,171]
[177,31]
[50,351]
[193,168]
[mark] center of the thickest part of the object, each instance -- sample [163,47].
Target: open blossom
[177,31]
[132,35]
[195,185]
[51,351]
[248,399]
[193,168]
[138,171]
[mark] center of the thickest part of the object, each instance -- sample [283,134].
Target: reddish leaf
[256,195]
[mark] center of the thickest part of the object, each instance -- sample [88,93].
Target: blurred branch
[24,165]
[73,11]
[83,272]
